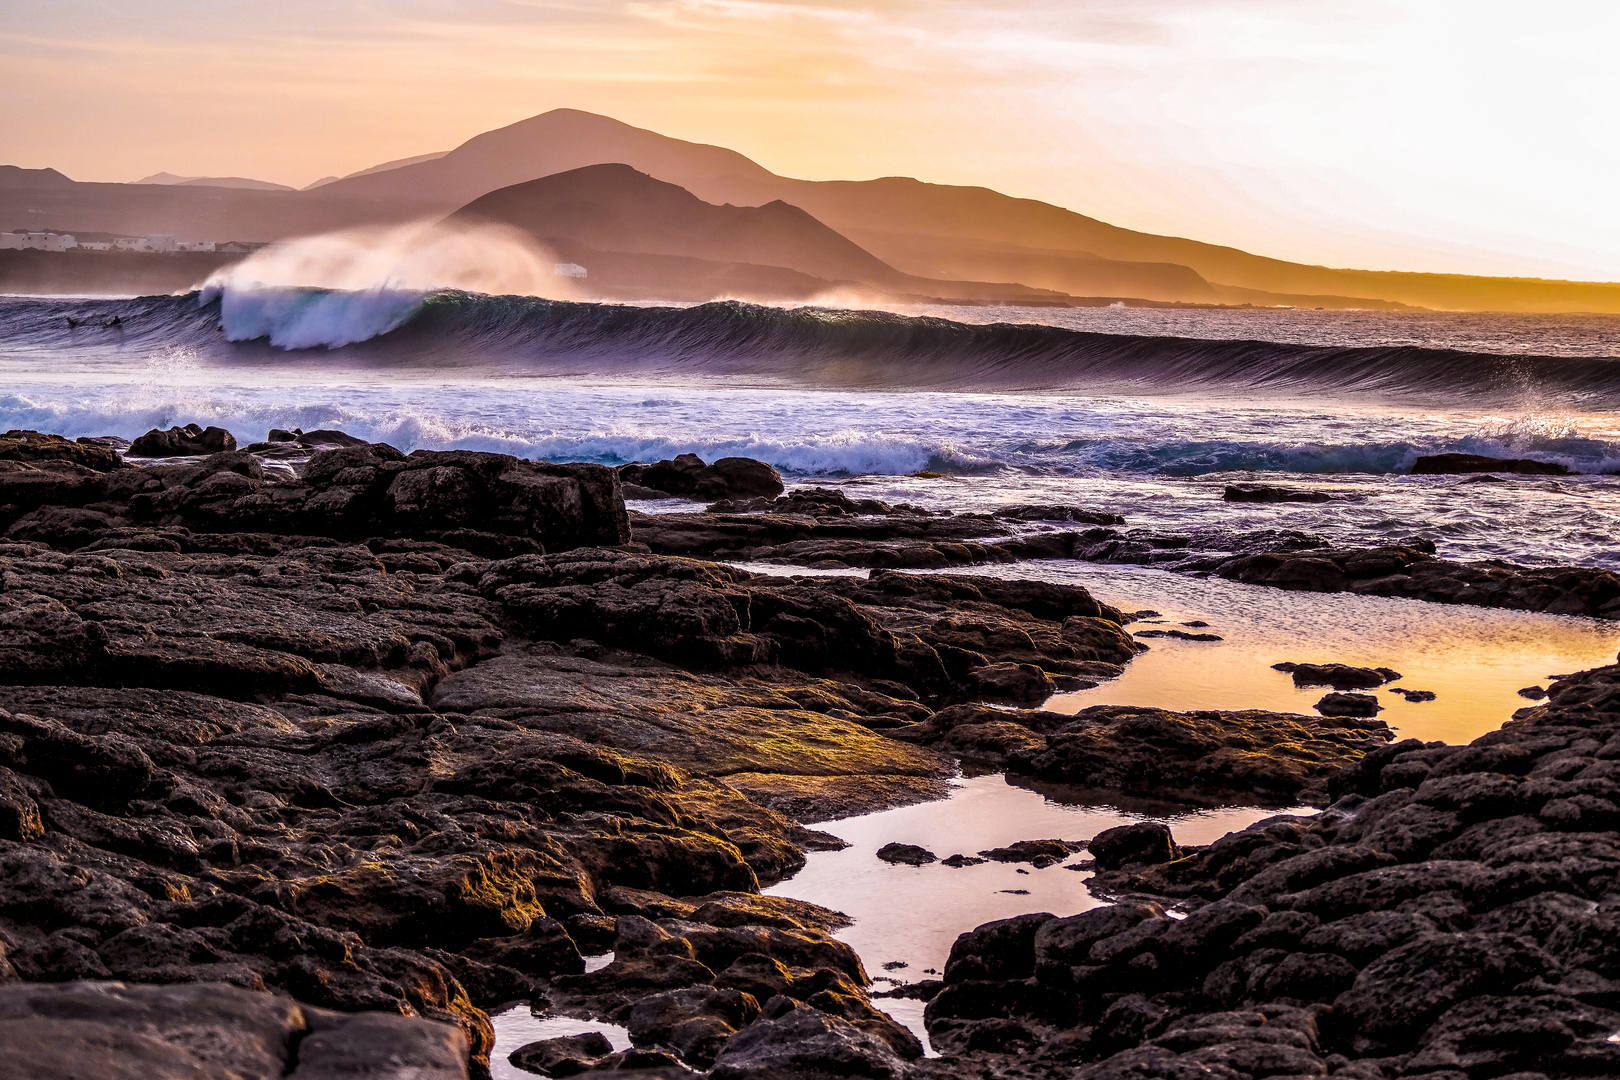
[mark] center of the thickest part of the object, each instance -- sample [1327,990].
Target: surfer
[115,321]
[72,322]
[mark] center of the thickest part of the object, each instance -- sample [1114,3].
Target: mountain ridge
[927,231]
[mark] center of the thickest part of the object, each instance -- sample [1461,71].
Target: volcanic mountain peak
[615,207]
[553,142]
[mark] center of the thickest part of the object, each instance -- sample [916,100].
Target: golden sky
[1464,135]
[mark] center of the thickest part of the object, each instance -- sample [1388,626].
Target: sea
[1147,412]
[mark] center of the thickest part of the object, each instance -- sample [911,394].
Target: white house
[573,270]
[38,241]
[155,242]
[194,245]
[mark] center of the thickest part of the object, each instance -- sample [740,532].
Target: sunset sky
[1462,135]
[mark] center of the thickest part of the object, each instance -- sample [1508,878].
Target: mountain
[616,219]
[553,142]
[929,231]
[938,230]
[617,208]
[13,178]
[171,180]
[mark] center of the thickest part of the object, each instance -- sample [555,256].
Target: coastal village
[162,243]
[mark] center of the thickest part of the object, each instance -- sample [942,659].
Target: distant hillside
[171,180]
[930,231]
[615,210]
[553,142]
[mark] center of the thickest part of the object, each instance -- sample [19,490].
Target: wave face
[802,346]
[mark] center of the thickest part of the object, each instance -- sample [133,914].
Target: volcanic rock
[1348,704]
[489,503]
[1146,842]
[1271,493]
[908,854]
[109,1031]
[688,476]
[23,445]
[188,441]
[1338,676]
[1441,464]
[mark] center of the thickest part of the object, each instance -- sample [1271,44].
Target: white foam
[352,285]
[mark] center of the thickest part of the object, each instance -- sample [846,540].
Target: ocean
[1147,412]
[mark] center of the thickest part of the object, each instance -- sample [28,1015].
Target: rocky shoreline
[414,734]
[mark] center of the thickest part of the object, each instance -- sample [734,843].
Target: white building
[37,241]
[573,270]
[194,245]
[155,242]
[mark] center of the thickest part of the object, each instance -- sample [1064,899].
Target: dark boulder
[188,441]
[200,1031]
[1198,755]
[1270,493]
[23,445]
[1444,464]
[798,1042]
[907,854]
[1348,704]
[1146,842]
[688,476]
[1338,676]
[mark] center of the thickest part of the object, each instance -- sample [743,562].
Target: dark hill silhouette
[557,141]
[33,179]
[620,219]
[617,208]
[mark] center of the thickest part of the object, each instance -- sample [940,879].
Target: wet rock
[564,1056]
[1179,635]
[1272,493]
[1013,682]
[1414,695]
[1404,570]
[906,854]
[689,477]
[111,1030]
[24,445]
[694,1021]
[796,1042]
[1146,842]
[1338,676]
[1534,693]
[1048,512]
[1042,853]
[958,861]
[485,503]
[1347,704]
[188,441]
[1194,755]
[1443,464]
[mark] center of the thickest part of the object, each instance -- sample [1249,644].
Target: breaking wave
[800,346]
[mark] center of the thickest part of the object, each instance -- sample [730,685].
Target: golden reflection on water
[1474,659]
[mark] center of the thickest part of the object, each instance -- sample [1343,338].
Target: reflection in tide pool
[910,915]
[518,1026]
[1474,659]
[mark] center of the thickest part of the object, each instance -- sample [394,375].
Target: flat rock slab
[203,1031]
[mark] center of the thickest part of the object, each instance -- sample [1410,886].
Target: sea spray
[344,287]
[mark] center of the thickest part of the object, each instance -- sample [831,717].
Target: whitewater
[1146,412]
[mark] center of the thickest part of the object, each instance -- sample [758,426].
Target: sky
[1469,136]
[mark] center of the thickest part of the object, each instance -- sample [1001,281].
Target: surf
[805,346]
